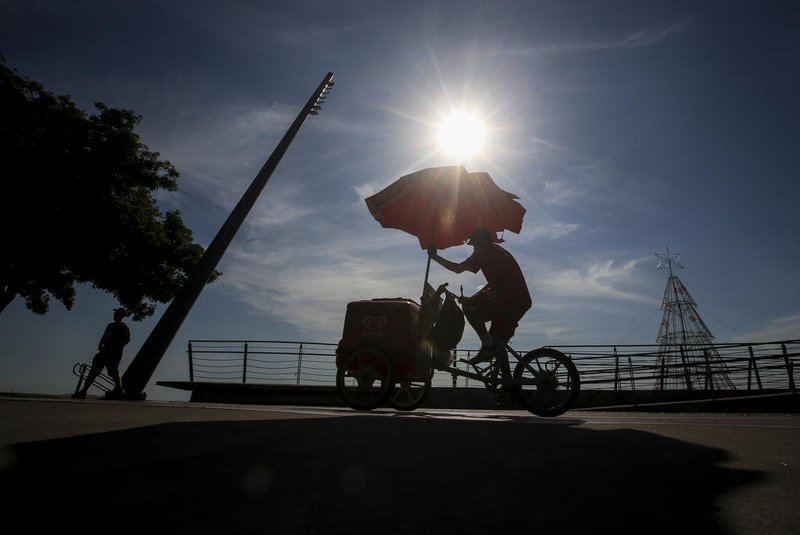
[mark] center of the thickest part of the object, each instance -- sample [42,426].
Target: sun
[461,135]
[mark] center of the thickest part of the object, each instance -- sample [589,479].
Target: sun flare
[461,135]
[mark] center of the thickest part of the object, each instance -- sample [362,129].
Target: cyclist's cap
[482,236]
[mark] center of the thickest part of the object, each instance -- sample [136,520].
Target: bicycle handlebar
[442,289]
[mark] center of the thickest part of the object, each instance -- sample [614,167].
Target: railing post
[789,369]
[466,369]
[630,369]
[191,364]
[709,378]
[754,365]
[244,365]
[299,363]
[454,357]
[616,370]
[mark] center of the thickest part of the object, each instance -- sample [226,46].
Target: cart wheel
[547,382]
[407,394]
[364,378]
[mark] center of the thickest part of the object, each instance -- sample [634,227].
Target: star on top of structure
[668,260]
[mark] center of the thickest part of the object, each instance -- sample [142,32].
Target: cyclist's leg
[506,320]
[503,327]
[477,311]
[476,321]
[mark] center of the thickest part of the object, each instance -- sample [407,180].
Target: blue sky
[624,127]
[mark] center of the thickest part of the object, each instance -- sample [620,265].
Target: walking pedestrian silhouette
[109,354]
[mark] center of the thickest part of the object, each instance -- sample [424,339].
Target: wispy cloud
[600,280]
[640,38]
[783,328]
[219,152]
[566,176]
[559,192]
[540,147]
[309,36]
[367,190]
[535,329]
[281,208]
[310,288]
[548,231]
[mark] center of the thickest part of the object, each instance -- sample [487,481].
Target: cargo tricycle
[391,348]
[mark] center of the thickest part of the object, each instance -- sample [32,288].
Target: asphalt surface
[149,467]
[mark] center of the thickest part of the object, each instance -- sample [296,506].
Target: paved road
[188,468]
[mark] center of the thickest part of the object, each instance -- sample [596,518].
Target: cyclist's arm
[447,264]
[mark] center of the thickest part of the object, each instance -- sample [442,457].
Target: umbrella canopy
[441,206]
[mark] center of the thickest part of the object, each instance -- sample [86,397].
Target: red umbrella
[441,206]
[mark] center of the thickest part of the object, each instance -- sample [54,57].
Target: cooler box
[390,325]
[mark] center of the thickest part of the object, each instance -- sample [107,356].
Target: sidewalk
[173,468]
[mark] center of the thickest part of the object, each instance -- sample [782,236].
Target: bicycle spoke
[408,394]
[364,378]
[550,386]
[530,369]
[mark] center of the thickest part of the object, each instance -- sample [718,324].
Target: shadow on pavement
[361,474]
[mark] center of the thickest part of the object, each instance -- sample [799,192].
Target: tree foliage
[77,204]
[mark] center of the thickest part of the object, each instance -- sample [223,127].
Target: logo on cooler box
[373,325]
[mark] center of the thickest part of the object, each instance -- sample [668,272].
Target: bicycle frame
[494,369]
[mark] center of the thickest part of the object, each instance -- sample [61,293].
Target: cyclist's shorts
[503,312]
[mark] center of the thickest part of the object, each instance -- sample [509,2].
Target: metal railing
[747,366]
[751,367]
[262,361]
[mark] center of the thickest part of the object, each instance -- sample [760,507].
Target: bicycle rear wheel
[364,378]
[547,382]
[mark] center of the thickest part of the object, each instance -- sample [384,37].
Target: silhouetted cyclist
[504,300]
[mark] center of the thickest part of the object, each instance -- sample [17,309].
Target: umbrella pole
[433,240]
[427,272]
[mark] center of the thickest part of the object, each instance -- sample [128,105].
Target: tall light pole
[146,360]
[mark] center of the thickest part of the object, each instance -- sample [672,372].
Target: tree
[77,205]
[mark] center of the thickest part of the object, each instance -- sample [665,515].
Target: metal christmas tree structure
[687,359]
